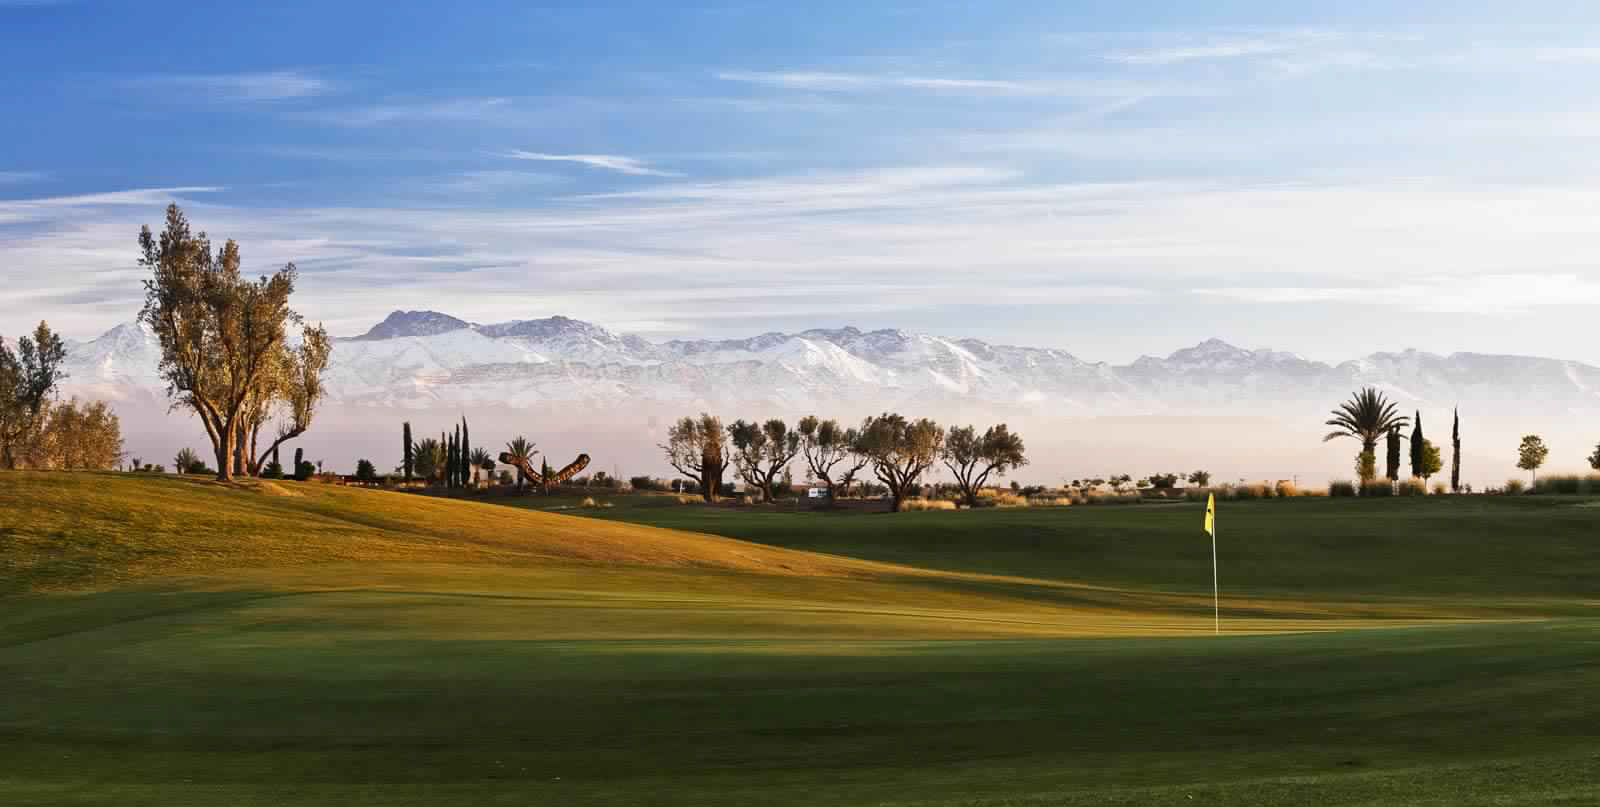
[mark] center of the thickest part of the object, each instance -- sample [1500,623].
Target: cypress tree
[299,459]
[1455,455]
[466,453]
[409,458]
[1417,447]
[455,467]
[1393,444]
[444,473]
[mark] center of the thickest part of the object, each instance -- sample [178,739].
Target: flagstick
[1216,602]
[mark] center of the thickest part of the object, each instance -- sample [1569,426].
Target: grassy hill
[169,641]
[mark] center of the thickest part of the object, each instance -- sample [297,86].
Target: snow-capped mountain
[422,358]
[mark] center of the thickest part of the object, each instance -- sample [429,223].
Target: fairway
[169,641]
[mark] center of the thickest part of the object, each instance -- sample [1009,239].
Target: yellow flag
[1211,515]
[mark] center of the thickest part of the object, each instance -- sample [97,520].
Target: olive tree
[697,448]
[762,452]
[830,453]
[223,337]
[972,457]
[900,451]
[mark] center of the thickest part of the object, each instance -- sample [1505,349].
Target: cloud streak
[276,85]
[631,166]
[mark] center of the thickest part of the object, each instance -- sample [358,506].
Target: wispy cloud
[1484,294]
[19,177]
[276,85]
[1034,86]
[1209,51]
[610,162]
[461,110]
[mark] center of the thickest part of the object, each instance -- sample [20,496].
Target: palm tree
[429,458]
[185,460]
[1367,416]
[522,449]
[480,459]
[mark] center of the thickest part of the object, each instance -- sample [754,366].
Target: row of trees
[451,459]
[898,451]
[1369,415]
[38,432]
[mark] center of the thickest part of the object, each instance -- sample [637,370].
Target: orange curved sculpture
[555,478]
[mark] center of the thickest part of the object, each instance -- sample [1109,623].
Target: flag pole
[1216,601]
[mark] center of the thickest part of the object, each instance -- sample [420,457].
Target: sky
[1113,179]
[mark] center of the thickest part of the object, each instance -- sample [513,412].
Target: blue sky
[1108,178]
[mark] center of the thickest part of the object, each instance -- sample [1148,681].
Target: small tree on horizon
[1455,453]
[762,451]
[1418,446]
[1594,459]
[366,471]
[1432,462]
[1199,478]
[826,447]
[408,462]
[1531,455]
[1393,439]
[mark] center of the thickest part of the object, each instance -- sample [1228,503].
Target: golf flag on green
[1211,529]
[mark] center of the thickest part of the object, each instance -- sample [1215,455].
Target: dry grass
[917,504]
[61,530]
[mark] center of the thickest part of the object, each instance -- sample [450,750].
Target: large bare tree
[830,453]
[900,451]
[972,457]
[762,451]
[223,337]
[697,448]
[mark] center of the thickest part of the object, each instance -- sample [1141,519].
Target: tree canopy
[972,457]
[900,450]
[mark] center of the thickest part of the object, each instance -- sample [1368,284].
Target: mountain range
[420,359]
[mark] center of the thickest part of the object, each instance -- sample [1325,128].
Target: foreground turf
[269,701]
[176,642]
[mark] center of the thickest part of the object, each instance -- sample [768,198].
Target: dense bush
[305,471]
[1568,484]
[365,471]
[927,504]
[1515,486]
[646,483]
[1378,488]
[272,471]
[1413,487]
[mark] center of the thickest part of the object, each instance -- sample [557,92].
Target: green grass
[1457,548]
[171,642]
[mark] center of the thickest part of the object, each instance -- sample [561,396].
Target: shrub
[1440,489]
[304,470]
[1342,488]
[1413,487]
[272,471]
[588,502]
[366,471]
[1287,490]
[1568,484]
[1515,487]
[910,505]
[1379,488]
[646,483]
[1010,500]
[1050,501]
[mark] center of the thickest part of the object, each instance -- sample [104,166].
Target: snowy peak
[413,323]
[421,358]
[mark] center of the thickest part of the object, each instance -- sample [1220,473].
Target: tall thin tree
[1455,453]
[468,471]
[1393,444]
[408,450]
[1419,455]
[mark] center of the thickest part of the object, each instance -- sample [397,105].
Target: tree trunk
[224,449]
